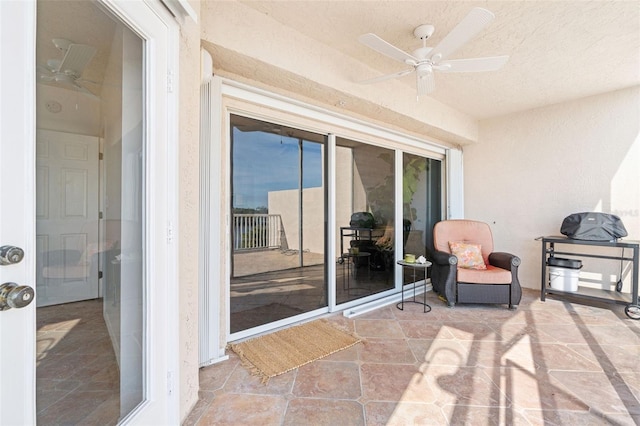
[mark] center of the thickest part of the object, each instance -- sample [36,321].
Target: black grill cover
[593,226]
[362,220]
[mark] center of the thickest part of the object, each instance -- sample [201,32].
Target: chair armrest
[509,262]
[444,271]
[442,258]
[503,260]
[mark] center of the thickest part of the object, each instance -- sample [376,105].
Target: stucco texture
[189,131]
[532,169]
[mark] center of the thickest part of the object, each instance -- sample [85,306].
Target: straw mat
[276,353]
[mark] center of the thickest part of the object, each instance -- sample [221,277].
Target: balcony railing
[256,231]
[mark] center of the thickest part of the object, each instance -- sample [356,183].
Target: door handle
[16,296]
[10,255]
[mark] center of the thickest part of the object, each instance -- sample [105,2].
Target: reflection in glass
[278,233]
[91,216]
[365,214]
[421,202]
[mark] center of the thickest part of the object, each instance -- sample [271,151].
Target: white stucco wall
[532,169]
[188,182]
[285,203]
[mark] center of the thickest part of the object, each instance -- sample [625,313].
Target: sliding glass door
[421,204]
[279,220]
[365,219]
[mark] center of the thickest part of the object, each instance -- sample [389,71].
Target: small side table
[415,266]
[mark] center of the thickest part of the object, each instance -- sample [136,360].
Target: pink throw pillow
[469,255]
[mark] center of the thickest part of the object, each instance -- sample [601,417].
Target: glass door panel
[279,215]
[365,217]
[421,204]
[90,218]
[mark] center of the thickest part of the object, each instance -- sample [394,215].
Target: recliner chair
[477,274]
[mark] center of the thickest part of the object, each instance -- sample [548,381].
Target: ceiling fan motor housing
[423,32]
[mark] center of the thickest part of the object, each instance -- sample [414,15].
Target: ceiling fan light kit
[426,60]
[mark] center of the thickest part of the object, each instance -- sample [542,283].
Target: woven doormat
[276,353]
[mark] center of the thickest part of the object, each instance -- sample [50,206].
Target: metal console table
[632,308]
[355,233]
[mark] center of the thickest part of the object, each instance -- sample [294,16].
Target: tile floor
[547,363]
[77,378]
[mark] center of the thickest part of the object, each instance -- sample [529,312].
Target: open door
[149,349]
[17,201]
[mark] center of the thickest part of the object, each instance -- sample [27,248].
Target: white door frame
[152,22]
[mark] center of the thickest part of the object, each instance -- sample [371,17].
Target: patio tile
[549,362]
[425,330]
[378,328]
[215,376]
[564,332]
[551,356]
[323,379]
[611,335]
[439,351]
[474,331]
[241,381]
[511,332]
[403,413]
[319,412]
[382,313]
[623,358]
[229,409]
[474,415]
[464,386]
[602,393]
[535,390]
[496,354]
[578,418]
[348,354]
[392,351]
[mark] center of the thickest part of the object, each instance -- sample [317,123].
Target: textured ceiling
[81,22]
[559,50]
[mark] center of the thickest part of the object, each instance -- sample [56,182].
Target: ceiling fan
[67,72]
[426,60]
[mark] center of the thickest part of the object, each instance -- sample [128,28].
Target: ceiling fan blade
[473,64]
[471,25]
[379,45]
[85,91]
[76,59]
[386,77]
[425,83]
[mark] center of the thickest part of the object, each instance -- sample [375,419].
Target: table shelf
[584,292]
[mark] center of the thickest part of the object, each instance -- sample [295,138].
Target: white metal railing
[256,231]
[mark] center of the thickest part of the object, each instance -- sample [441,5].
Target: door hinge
[169,383]
[101,156]
[99,274]
[170,81]
[170,233]
[100,215]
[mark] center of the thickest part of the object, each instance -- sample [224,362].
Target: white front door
[67,241]
[158,339]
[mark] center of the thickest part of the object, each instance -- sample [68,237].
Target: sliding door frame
[241,99]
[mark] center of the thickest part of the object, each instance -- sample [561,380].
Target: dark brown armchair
[477,274]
